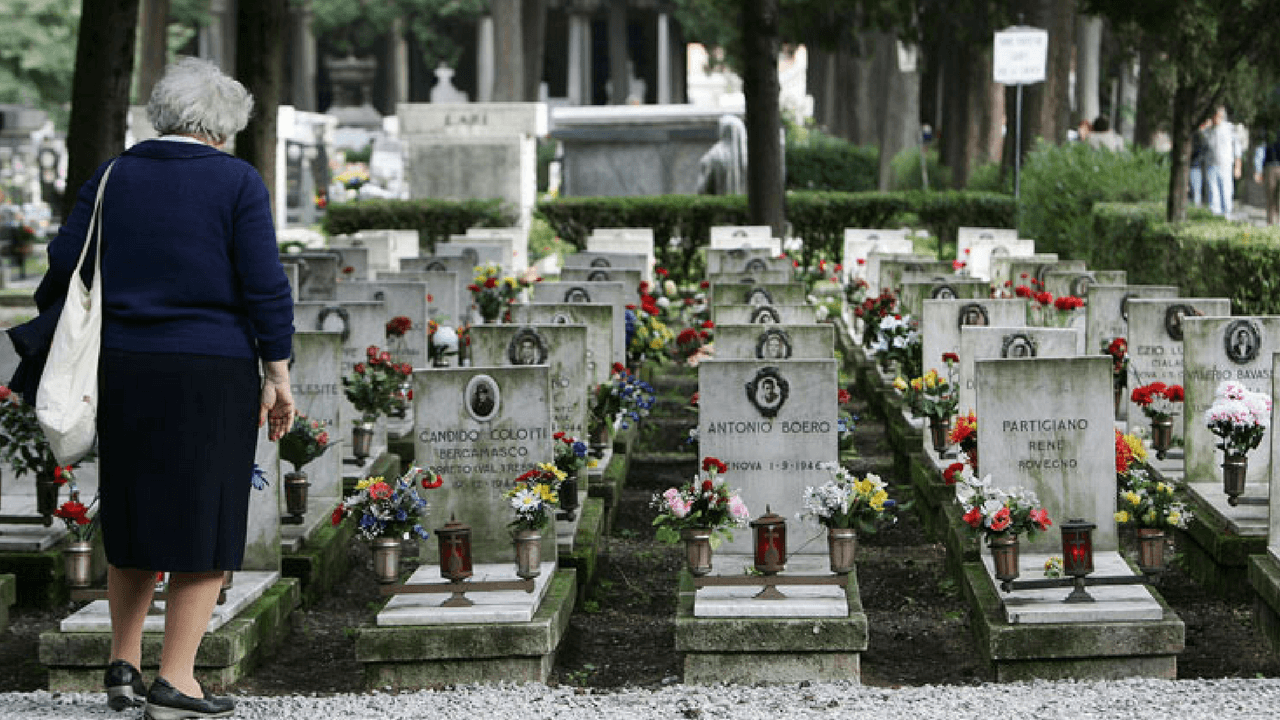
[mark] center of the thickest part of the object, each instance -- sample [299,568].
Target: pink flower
[738,509]
[1041,519]
[1001,519]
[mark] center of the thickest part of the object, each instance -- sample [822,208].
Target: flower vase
[939,428]
[568,494]
[697,550]
[1151,550]
[362,440]
[972,452]
[78,560]
[46,498]
[1161,436]
[599,440]
[1235,468]
[386,559]
[1004,553]
[842,546]
[295,493]
[528,553]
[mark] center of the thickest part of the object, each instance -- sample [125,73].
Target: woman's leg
[129,594]
[188,607]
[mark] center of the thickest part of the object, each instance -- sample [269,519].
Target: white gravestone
[744,237]
[763,277]
[755,294]
[407,299]
[317,275]
[916,289]
[1273,519]
[790,342]
[877,259]
[476,252]
[606,261]
[627,241]
[353,263]
[1006,343]
[442,293]
[464,273]
[630,278]
[386,247]
[1010,271]
[859,243]
[748,261]
[561,347]
[316,373]
[1107,311]
[612,293]
[515,239]
[942,320]
[764,315]
[1065,282]
[773,423]
[598,320]
[892,271]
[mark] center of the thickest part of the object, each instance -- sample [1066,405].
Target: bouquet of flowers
[75,515]
[1157,400]
[1118,349]
[622,400]
[965,432]
[1239,416]
[705,502]
[491,292]
[1130,454]
[306,440]
[389,509]
[23,446]
[647,336]
[373,388]
[844,501]
[398,326]
[570,453]
[1149,503]
[937,398]
[995,512]
[690,344]
[535,496]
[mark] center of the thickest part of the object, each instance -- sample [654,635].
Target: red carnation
[359,368]
[707,325]
[973,517]
[473,288]
[431,481]
[337,515]
[644,287]
[843,396]
[660,271]
[950,357]
[949,475]
[704,284]
[707,486]
[5,393]
[491,282]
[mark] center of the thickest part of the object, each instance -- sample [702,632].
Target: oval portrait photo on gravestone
[436,266]
[1173,319]
[561,319]
[973,315]
[765,315]
[334,319]
[773,344]
[756,265]
[1080,285]
[767,391]
[943,292]
[577,294]
[471,255]
[598,276]
[758,296]
[1243,340]
[600,262]
[527,347]
[483,398]
[1016,346]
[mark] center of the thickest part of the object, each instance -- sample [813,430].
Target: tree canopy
[356,26]
[37,54]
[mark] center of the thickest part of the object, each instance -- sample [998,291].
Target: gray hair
[194,97]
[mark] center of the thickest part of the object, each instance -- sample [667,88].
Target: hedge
[1205,257]
[435,220]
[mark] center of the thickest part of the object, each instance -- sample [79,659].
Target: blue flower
[580,448]
[258,478]
[401,516]
[421,532]
[367,521]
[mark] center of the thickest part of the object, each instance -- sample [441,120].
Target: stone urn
[697,550]
[78,561]
[1004,553]
[842,548]
[386,559]
[528,553]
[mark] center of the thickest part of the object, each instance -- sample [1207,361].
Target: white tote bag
[67,400]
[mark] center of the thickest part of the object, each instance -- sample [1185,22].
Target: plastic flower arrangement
[389,509]
[996,512]
[535,497]
[306,440]
[492,293]
[705,502]
[1118,349]
[936,397]
[75,515]
[571,453]
[845,501]
[647,335]
[1239,416]
[622,400]
[1146,502]
[373,386]
[1157,400]
[964,432]
[398,326]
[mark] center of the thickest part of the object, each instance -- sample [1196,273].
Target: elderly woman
[194,299]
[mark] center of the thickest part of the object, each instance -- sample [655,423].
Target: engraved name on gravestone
[359,325]
[1156,346]
[561,347]
[859,243]
[481,428]
[317,275]
[1006,343]
[1048,425]
[612,293]
[596,317]
[402,299]
[790,342]
[764,314]
[316,373]
[773,423]
[1218,349]
[1107,311]
[916,289]
[941,321]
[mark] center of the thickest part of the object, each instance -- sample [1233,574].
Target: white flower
[445,337]
[663,303]
[822,313]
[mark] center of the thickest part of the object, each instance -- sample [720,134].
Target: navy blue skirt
[176,442]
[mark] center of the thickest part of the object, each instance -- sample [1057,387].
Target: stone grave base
[1264,577]
[818,633]
[1090,649]
[1217,544]
[8,596]
[606,480]
[321,560]
[422,656]
[588,529]
[77,653]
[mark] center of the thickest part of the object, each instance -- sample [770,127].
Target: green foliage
[817,161]
[435,220]
[987,178]
[360,156]
[546,153]
[1061,183]
[37,54]
[356,26]
[543,242]
[906,170]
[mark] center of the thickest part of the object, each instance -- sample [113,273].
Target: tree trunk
[1148,116]
[1088,60]
[1044,106]
[508,32]
[867,81]
[899,116]
[619,76]
[1184,123]
[100,88]
[154,41]
[534,18]
[764,125]
[261,27]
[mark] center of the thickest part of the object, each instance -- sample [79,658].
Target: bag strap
[95,222]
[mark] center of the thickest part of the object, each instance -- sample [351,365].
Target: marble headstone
[316,372]
[764,277]
[626,241]
[739,261]
[516,239]
[630,278]
[764,314]
[756,294]
[606,261]
[561,347]
[596,317]
[612,293]
[475,252]
[1006,343]
[1156,345]
[1107,311]
[1017,270]
[1066,282]
[876,261]
[317,275]
[859,243]
[917,289]
[386,247]
[408,299]
[464,273]
[790,342]
[353,262]
[942,320]
[894,271]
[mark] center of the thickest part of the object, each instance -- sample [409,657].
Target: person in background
[1199,149]
[1222,163]
[1266,172]
[194,301]
[1103,137]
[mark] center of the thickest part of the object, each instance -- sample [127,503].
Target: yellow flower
[931,379]
[899,384]
[546,493]
[551,468]
[655,344]
[1122,517]
[592,463]
[365,483]
[1164,488]
[877,500]
[1132,498]
[917,384]
[1175,517]
[1139,450]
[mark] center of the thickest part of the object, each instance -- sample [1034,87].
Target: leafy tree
[37,54]
[354,26]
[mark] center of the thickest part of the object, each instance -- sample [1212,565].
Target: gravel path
[1116,700]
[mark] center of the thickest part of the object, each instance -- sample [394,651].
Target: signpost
[1019,58]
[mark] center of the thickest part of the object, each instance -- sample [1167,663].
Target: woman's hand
[277,399]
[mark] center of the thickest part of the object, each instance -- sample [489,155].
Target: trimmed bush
[822,162]
[435,220]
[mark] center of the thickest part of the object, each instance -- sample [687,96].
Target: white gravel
[1115,700]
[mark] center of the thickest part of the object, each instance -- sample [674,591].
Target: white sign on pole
[1020,55]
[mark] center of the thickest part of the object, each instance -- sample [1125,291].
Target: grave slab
[246,588]
[505,606]
[1112,603]
[860,243]
[800,601]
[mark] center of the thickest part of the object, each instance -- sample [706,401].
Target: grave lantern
[770,532]
[1077,555]
[455,550]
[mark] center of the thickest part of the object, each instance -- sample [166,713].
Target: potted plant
[1118,349]
[388,513]
[570,458]
[1240,418]
[533,499]
[1159,402]
[305,441]
[492,293]
[1151,506]
[1001,516]
[845,505]
[701,514]
[78,555]
[965,434]
[372,389]
[24,448]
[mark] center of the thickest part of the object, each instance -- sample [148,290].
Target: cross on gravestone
[481,428]
[597,318]
[775,425]
[1048,425]
[764,315]
[860,243]
[563,348]
[790,342]
[1006,343]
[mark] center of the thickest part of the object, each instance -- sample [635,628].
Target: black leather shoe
[125,688]
[164,702]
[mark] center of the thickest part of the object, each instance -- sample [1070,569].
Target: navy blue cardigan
[190,262]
